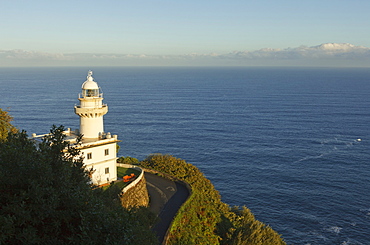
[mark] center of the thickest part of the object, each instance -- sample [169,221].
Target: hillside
[47,198]
[204,218]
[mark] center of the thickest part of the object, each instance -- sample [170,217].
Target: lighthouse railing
[81,96]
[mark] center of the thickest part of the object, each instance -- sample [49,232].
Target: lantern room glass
[90,92]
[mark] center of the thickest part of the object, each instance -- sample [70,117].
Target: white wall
[99,162]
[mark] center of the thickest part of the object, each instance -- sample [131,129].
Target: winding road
[166,197]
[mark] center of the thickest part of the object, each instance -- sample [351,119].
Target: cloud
[323,51]
[32,55]
[326,54]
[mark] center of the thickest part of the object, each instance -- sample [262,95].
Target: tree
[46,198]
[5,125]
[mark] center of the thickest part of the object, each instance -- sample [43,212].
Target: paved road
[166,197]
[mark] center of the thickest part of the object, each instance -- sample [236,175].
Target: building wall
[102,158]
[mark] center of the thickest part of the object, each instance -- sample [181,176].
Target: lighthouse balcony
[91,112]
[91,104]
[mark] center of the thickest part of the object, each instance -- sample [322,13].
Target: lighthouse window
[91,92]
[106,152]
[89,155]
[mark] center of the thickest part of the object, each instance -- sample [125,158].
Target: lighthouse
[98,149]
[91,109]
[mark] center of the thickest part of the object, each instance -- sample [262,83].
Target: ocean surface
[292,144]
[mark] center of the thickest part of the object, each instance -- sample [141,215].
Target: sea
[291,144]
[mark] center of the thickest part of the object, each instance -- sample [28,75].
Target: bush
[128,160]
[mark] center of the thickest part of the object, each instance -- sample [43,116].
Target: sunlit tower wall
[91,109]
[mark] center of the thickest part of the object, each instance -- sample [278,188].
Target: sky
[178,32]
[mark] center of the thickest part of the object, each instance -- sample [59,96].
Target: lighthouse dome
[90,88]
[89,83]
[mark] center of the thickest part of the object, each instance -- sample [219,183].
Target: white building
[98,148]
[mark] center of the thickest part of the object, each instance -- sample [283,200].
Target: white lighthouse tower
[98,148]
[91,109]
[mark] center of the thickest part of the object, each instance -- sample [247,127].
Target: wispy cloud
[323,51]
[327,54]
[32,55]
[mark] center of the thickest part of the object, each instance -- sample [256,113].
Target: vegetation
[46,198]
[5,125]
[204,218]
[128,160]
